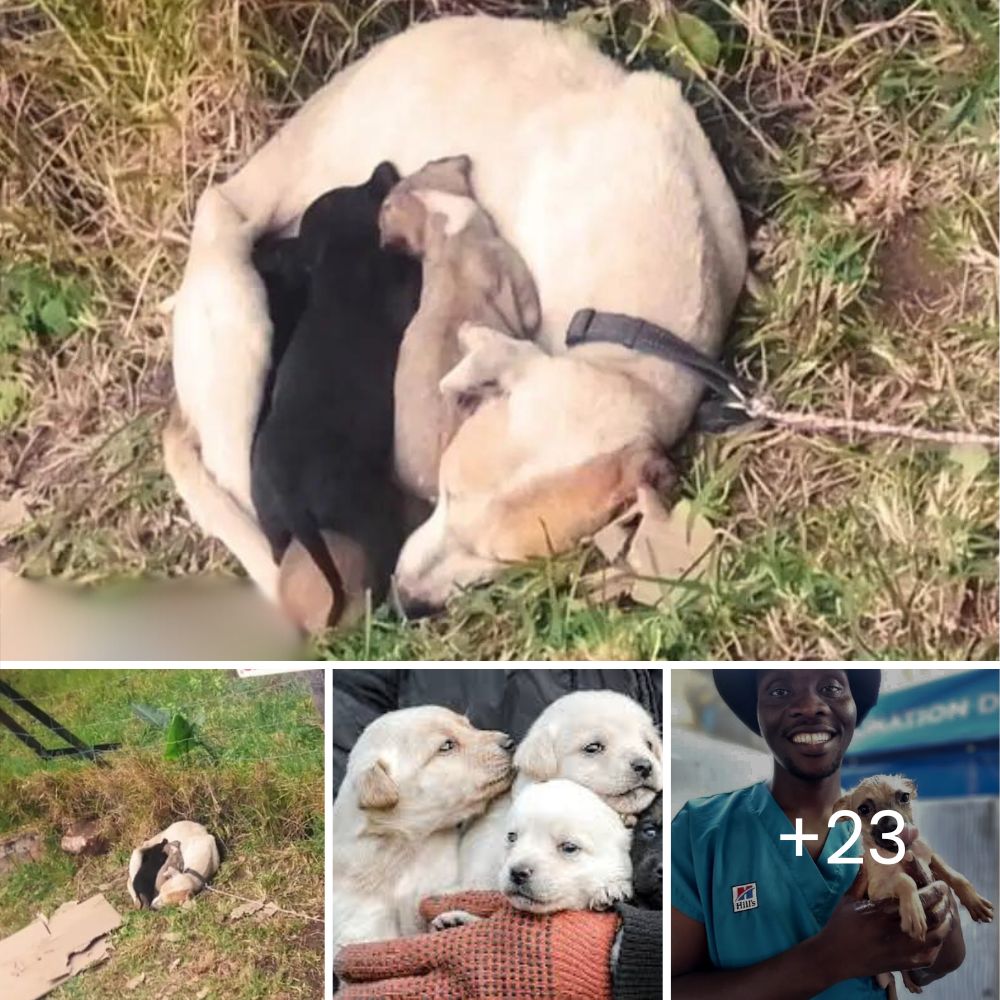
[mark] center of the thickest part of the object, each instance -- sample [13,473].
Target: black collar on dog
[589,326]
[198,875]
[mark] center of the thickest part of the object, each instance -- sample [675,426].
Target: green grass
[260,790]
[861,139]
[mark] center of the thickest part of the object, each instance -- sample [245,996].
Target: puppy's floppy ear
[376,790]
[383,177]
[536,756]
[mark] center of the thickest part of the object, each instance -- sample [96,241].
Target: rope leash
[762,408]
[736,400]
[278,909]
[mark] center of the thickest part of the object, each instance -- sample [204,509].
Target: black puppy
[321,465]
[647,856]
[144,883]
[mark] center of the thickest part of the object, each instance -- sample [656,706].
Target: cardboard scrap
[646,542]
[43,955]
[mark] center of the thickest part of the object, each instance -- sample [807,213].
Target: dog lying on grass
[470,275]
[917,867]
[187,856]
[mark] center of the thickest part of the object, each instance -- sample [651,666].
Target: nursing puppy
[412,777]
[470,275]
[198,852]
[321,466]
[143,882]
[647,856]
[602,740]
[173,864]
[913,871]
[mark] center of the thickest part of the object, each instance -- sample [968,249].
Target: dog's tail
[214,510]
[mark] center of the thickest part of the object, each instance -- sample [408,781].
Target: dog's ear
[376,789]
[536,756]
[383,177]
[492,362]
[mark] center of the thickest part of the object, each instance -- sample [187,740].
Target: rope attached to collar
[735,400]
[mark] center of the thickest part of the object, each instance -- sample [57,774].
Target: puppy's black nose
[642,766]
[520,875]
[507,743]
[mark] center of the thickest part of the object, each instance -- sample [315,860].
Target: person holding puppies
[753,917]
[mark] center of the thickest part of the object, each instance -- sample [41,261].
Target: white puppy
[565,850]
[412,777]
[600,739]
[200,854]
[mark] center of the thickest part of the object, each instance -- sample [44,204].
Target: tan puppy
[470,274]
[412,777]
[913,871]
[174,864]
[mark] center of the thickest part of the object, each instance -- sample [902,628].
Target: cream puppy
[412,777]
[196,847]
[565,850]
[602,740]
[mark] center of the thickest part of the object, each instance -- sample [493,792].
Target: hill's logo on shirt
[744,897]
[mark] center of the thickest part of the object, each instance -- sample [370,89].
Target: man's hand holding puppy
[865,938]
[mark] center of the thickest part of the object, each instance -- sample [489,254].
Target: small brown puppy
[470,275]
[173,865]
[918,866]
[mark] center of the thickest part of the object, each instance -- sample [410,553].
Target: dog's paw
[979,908]
[910,984]
[913,919]
[453,918]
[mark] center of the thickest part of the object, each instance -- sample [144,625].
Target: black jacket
[508,700]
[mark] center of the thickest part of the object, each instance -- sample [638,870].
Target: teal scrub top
[730,872]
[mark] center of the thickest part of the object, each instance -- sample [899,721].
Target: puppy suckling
[647,856]
[172,866]
[321,465]
[470,275]
[142,882]
[917,867]
[412,777]
[602,740]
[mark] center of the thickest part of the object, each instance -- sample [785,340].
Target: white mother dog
[604,182]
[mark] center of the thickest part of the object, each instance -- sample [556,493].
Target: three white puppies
[566,850]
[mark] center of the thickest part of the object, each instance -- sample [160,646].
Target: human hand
[865,938]
[563,955]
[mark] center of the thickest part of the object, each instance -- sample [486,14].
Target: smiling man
[757,898]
